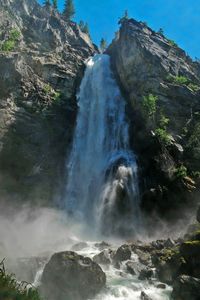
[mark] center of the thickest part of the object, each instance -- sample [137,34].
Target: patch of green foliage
[11,42]
[150,105]
[193,144]
[172,43]
[57,96]
[163,136]
[47,88]
[182,80]
[11,289]
[181,172]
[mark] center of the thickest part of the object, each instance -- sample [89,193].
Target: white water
[102,188]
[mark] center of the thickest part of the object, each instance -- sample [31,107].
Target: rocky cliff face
[162,86]
[41,63]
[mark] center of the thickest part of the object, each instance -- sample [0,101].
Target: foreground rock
[71,276]
[186,288]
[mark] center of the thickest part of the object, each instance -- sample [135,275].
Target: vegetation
[182,80]
[181,172]
[161,31]
[150,105]
[125,17]
[11,289]
[103,45]
[172,43]
[193,145]
[84,27]
[47,3]
[55,4]
[11,42]
[69,10]
[163,136]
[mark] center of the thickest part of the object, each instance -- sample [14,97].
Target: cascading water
[102,186]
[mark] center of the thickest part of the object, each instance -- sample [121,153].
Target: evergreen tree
[55,4]
[124,18]
[69,10]
[103,45]
[161,31]
[84,27]
[47,3]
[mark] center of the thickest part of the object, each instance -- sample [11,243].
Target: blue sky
[180,19]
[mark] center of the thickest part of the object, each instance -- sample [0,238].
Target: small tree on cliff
[47,3]
[84,27]
[55,4]
[103,45]
[69,10]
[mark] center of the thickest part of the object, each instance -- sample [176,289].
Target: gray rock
[130,266]
[71,276]
[144,296]
[146,273]
[79,246]
[186,288]
[123,253]
[103,258]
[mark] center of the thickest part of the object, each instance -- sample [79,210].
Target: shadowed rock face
[145,63]
[38,78]
[71,276]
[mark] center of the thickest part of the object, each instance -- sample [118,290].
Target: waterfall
[102,184]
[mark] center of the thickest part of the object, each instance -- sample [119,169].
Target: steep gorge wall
[146,63]
[39,75]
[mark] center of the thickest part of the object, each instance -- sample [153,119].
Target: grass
[182,80]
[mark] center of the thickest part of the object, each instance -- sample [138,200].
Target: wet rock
[79,246]
[71,276]
[123,253]
[146,273]
[130,266]
[186,288]
[101,246]
[198,214]
[161,286]
[144,257]
[190,250]
[103,258]
[144,296]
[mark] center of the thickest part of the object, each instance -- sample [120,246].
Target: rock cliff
[41,63]
[162,86]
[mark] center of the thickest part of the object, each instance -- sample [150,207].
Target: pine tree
[47,3]
[124,18]
[84,27]
[55,4]
[103,45]
[161,31]
[69,10]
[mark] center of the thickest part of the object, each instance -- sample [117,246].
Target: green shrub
[181,172]
[14,34]
[172,43]
[164,121]
[11,289]
[193,87]
[150,105]
[57,96]
[8,46]
[11,42]
[163,136]
[47,88]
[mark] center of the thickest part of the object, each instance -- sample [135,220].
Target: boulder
[123,253]
[101,246]
[130,266]
[71,276]
[190,250]
[186,288]
[146,273]
[79,246]
[144,296]
[103,258]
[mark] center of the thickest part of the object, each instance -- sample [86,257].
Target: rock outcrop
[71,276]
[162,87]
[41,63]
